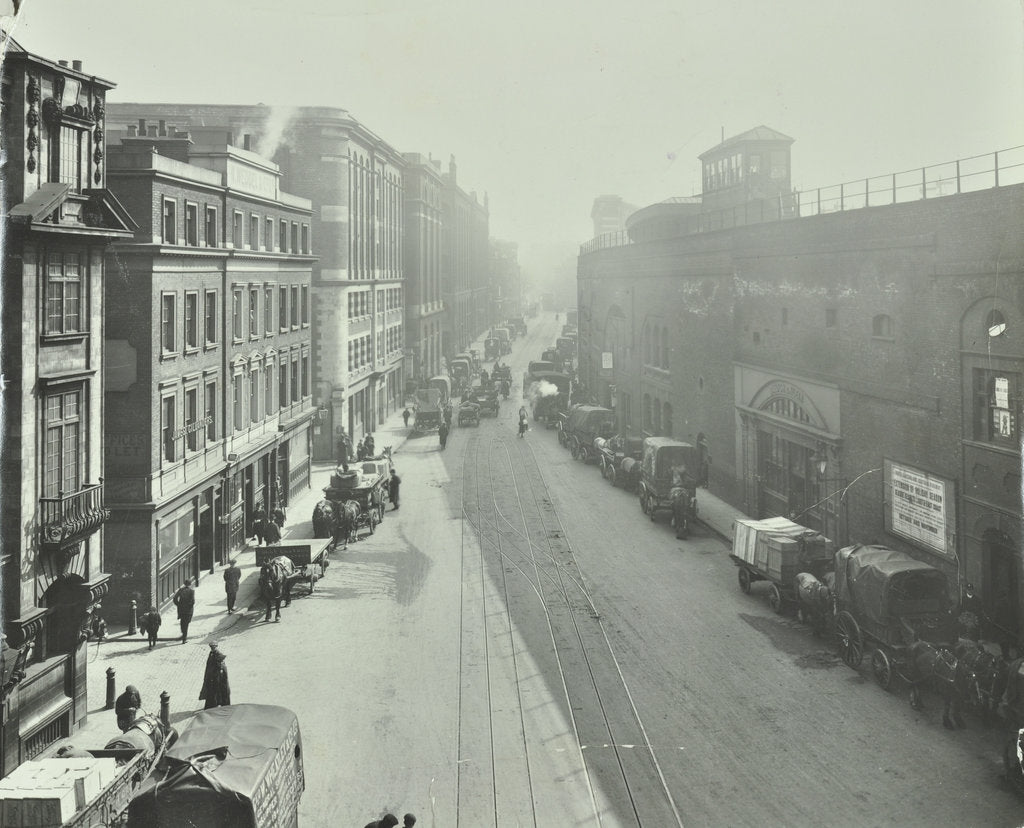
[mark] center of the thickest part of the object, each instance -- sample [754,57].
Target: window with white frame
[236,400]
[192,224]
[295,379]
[64,293]
[282,308]
[191,320]
[268,311]
[211,226]
[305,375]
[168,341]
[295,306]
[236,230]
[236,314]
[268,391]
[62,462]
[210,311]
[254,313]
[254,232]
[282,236]
[268,235]
[191,419]
[167,426]
[211,412]
[305,239]
[305,305]
[282,384]
[255,387]
[170,222]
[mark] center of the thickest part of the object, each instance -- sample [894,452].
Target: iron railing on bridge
[965,175]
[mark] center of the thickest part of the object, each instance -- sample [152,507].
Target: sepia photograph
[690,334]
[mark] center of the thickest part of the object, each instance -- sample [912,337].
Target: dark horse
[348,522]
[276,578]
[325,519]
[816,600]
[940,669]
[989,677]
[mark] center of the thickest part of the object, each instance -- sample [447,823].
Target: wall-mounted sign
[606,360]
[921,508]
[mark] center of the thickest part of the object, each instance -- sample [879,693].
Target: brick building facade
[859,369]
[208,341]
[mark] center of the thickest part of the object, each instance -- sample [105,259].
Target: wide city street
[520,645]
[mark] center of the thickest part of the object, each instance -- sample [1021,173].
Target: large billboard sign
[921,508]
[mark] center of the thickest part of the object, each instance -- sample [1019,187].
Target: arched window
[647,412]
[882,326]
[664,348]
[657,416]
[666,420]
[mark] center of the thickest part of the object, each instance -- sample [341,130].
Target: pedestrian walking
[523,425]
[232,577]
[386,821]
[185,601]
[97,626]
[406,415]
[271,534]
[278,517]
[442,434]
[127,707]
[216,690]
[259,520]
[393,485]
[150,624]
[370,450]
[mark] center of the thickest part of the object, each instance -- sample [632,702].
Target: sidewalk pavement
[177,668]
[717,515]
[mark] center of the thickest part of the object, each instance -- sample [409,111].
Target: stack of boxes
[48,792]
[780,549]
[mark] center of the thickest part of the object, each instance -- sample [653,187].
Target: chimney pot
[62,62]
[76,65]
[132,130]
[151,131]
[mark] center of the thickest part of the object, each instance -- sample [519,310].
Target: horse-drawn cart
[902,610]
[308,557]
[778,551]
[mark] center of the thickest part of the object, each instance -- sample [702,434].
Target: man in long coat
[216,689]
[393,485]
[185,601]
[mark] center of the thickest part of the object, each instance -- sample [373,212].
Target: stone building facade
[58,220]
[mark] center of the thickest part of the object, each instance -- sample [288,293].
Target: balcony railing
[69,518]
[979,172]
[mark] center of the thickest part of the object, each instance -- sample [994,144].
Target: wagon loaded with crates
[777,550]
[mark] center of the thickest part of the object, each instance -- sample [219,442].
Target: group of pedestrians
[390,821]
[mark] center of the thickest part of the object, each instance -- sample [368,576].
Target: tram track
[540,584]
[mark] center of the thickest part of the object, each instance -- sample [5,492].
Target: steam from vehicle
[541,388]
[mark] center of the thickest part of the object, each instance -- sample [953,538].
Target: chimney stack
[163,128]
[76,65]
[62,62]
[151,131]
[247,142]
[132,130]
[142,126]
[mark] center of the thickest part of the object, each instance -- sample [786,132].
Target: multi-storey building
[865,343]
[506,285]
[354,180]
[58,220]
[208,339]
[465,265]
[424,306]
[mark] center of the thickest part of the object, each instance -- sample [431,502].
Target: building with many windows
[506,288]
[465,265]
[58,220]
[424,305]
[849,357]
[354,180]
[208,343]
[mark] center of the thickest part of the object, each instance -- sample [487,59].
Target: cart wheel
[744,576]
[851,645]
[881,669]
[775,599]
[611,475]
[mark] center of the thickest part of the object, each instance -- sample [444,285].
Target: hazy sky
[548,104]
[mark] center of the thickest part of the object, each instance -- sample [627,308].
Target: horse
[276,578]
[325,519]
[816,600]
[684,509]
[939,668]
[348,521]
[989,677]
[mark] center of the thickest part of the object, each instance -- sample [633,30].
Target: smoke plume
[275,130]
[541,388]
